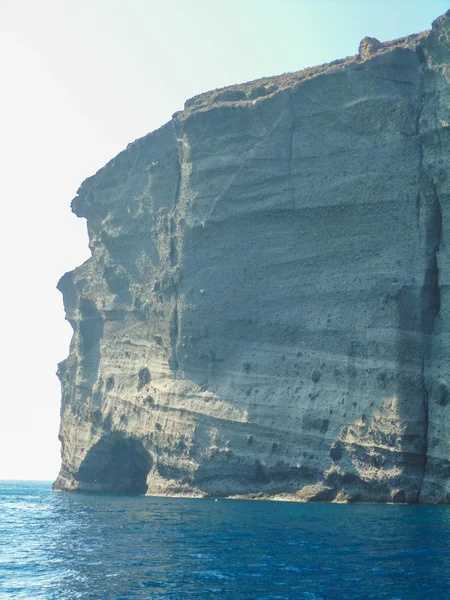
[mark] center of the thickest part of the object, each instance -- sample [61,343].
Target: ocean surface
[71,545]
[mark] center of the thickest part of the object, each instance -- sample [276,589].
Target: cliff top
[266,86]
[259,88]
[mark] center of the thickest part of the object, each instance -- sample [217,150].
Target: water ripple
[58,546]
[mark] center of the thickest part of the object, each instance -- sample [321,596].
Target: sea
[62,545]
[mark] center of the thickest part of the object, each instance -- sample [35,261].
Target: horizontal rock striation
[266,311]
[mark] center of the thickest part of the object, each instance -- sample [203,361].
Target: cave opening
[115,464]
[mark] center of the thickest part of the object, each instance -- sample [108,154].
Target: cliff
[266,311]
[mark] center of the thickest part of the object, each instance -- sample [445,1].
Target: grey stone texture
[266,312]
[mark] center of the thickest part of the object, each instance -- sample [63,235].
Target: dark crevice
[90,326]
[429,218]
[426,418]
[174,242]
[173,252]
[174,338]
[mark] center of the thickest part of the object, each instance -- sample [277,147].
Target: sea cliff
[266,310]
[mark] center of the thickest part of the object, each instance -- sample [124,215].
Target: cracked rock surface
[266,312]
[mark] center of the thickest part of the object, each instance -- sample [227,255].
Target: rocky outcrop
[266,311]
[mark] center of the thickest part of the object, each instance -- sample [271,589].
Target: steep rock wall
[265,310]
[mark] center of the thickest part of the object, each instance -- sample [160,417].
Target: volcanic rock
[266,312]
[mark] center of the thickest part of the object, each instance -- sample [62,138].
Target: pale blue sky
[81,79]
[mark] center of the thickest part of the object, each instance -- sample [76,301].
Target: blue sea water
[69,545]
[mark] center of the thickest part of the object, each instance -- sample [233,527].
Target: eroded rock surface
[266,311]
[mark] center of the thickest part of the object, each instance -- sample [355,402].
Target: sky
[80,79]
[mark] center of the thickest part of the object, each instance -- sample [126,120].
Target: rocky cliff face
[267,310]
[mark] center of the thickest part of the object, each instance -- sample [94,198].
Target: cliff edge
[265,311]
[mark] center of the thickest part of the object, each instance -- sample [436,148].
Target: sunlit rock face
[266,311]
